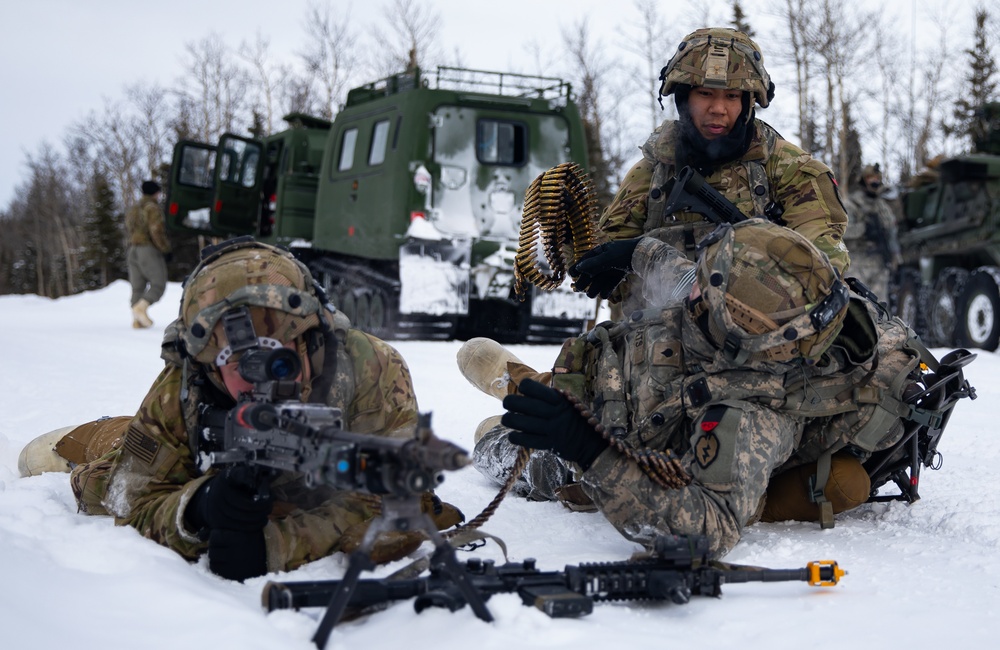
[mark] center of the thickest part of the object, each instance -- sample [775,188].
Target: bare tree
[797,17]
[267,80]
[653,45]
[603,121]
[150,125]
[329,56]
[411,39]
[213,89]
[51,215]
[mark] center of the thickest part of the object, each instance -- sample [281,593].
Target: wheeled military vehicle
[948,286]
[406,206]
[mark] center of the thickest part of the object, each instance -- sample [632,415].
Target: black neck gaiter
[705,155]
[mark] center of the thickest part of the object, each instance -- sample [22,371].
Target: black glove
[604,267]
[237,554]
[542,418]
[230,500]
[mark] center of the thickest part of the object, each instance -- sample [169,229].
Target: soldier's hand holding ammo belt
[542,418]
[604,267]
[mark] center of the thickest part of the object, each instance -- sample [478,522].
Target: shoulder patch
[815,168]
[706,449]
[141,445]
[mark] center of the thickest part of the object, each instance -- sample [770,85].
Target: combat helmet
[718,58]
[245,294]
[769,293]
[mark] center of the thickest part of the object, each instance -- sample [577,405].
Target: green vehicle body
[947,285]
[406,206]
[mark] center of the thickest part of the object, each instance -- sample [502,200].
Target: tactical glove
[231,501]
[602,268]
[237,554]
[542,418]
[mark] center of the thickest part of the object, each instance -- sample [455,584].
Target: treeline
[847,74]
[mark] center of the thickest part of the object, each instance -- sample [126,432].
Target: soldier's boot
[486,426]
[140,319]
[483,362]
[40,456]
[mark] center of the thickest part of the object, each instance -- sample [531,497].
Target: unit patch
[706,449]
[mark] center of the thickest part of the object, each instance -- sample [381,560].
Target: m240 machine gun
[271,430]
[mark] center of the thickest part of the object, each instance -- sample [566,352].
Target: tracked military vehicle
[407,206]
[948,286]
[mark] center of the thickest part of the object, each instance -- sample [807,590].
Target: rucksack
[889,410]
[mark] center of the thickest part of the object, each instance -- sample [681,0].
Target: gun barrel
[317,593]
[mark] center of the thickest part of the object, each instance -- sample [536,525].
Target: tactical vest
[755,175]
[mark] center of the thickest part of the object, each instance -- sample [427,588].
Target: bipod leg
[360,561]
[445,561]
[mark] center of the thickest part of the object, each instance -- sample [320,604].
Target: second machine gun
[271,430]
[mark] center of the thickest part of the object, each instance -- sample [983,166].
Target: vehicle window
[238,162]
[501,143]
[347,150]
[197,167]
[380,138]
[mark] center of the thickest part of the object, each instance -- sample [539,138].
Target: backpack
[889,410]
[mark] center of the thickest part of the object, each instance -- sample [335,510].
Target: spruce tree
[970,120]
[103,256]
[740,20]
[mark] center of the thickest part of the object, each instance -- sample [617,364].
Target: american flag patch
[141,445]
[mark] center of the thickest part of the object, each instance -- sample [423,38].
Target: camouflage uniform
[770,171]
[147,269]
[872,240]
[147,480]
[663,380]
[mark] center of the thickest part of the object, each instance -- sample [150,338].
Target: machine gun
[270,430]
[677,568]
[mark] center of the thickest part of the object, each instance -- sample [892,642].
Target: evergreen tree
[970,119]
[855,157]
[103,255]
[740,20]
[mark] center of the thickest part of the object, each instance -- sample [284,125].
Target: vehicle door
[191,190]
[238,185]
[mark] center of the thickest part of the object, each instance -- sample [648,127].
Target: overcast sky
[60,59]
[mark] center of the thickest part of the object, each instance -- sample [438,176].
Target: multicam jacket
[147,481]
[145,227]
[772,170]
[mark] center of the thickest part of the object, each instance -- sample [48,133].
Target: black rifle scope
[269,365]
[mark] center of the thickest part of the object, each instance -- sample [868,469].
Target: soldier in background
[872,233]
[716,76]
[147,253]
[146,470]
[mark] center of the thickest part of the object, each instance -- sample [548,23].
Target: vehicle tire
[943,313]
[347,304]
[979,311]
[911,301]
[361,303]
[378,315]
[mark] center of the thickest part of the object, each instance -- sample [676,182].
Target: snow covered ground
[921,576]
